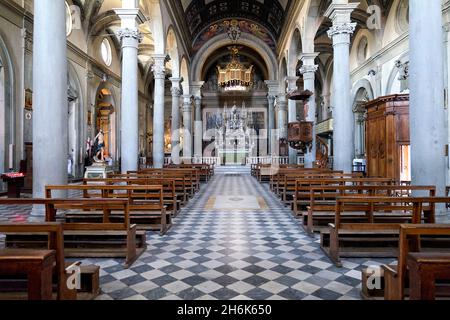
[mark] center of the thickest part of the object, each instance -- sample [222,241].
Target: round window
[106,52]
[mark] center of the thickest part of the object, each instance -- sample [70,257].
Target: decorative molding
[403,70]
[305,69]
[130,34]
[342,28]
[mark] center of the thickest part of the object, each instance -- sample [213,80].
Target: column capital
[159,65]
[291,83]
[307,69]
[273,86]
[196,88]
[346,28]
[131,35]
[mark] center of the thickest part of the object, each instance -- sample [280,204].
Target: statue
[100,150]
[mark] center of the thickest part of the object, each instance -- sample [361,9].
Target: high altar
[234,143]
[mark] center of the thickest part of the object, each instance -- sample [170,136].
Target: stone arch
[113,147]
[172,51]
[283,74]
[294,51]
[362,93]
[363,84]
[184,73]
[393,76]
[223,40]
[156,25]
[7,108]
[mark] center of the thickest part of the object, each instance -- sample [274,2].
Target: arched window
[363,50]
[105,50]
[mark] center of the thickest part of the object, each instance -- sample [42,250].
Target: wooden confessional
[387,138]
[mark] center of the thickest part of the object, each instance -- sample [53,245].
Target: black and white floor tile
[229,254]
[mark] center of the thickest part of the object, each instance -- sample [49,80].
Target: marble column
[427,124]
[176,94]
[340,13]
[50,136]
[159,72]
[272,86]
[308,70]
[196,91]
[271,120]
[282,117]
[130,37]
[198,134]
[187,123]
[292,113]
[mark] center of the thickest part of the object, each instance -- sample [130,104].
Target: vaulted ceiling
[269,14]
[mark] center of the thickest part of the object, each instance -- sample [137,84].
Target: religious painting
[244,26]
[28,99]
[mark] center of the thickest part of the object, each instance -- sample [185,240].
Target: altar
[234,143]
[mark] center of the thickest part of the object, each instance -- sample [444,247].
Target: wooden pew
[264,172]
[410,236]
[205,170]
[171,200]
[192,176]
[93,238]
[146,205]
[370,231]
[322,203]
[55,244]
[286,187]
[277,180]
[181,183]
[301,196]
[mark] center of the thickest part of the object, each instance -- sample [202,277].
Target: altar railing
[267,160]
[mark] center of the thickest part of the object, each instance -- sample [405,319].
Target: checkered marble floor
[229,254]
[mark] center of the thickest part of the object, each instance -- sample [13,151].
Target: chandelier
[235,76]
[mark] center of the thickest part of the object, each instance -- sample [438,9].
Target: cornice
[15,10]
[380,53]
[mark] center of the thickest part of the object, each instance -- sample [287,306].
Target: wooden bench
[206,171]
[264,172]
[96,238]
[322,204]
[425,270]
[37,263]
[192,176]
[381,239]
[302,192]
[172,200]
[277,181]
[181,183]
[145,203]
[411,235]
[286,187]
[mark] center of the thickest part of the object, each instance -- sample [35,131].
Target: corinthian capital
[127,33]
[342,28]
[305,69]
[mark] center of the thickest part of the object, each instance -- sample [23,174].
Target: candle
[11,156]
